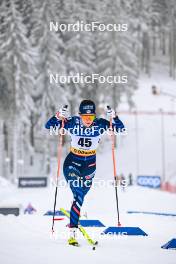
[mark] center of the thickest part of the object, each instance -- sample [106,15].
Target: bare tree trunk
[163,41]
[46,157]
[146,52]
[15,150]
[154,42]
[32,142]
[1,148]
[6,150]
[170,54]
[172,44]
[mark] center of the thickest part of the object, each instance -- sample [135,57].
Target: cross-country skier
[80,164]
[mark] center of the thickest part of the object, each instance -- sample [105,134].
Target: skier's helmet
[87,107]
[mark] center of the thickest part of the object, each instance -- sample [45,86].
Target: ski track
[27,238]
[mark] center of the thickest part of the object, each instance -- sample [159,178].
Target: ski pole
[114,167]
[58,169]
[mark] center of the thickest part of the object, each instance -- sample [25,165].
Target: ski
[82,230]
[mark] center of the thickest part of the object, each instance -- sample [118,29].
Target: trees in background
[29,52]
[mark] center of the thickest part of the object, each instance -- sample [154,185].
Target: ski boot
[72,240]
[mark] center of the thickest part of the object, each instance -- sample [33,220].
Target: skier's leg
[79,194]
[79,191]
[72,176]
[79,186]
[76,206]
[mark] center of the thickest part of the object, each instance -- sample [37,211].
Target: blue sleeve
[117,124]
[53,122]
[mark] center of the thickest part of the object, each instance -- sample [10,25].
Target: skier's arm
[117,124]
[56,120]
[53,122]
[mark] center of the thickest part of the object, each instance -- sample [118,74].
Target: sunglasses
[91,117]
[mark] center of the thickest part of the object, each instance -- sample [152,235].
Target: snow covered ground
[27,238]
